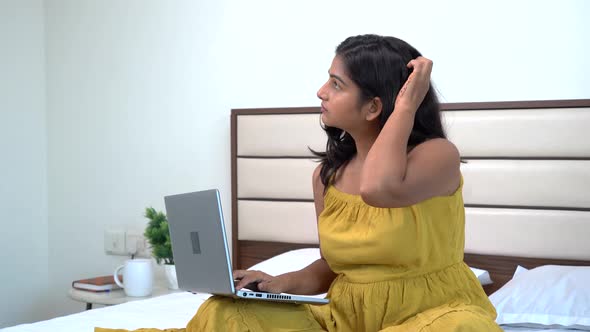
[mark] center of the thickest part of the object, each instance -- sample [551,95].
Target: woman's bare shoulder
[438,146]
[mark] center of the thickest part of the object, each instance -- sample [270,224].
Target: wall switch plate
[134,243]
[114,242]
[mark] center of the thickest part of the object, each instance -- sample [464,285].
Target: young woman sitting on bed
[389,207]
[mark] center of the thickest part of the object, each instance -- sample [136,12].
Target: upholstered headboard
[526,175]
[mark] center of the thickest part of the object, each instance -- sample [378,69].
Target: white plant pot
[171,280]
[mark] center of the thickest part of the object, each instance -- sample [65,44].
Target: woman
[390,212]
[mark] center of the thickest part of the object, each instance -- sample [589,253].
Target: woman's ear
[375,106]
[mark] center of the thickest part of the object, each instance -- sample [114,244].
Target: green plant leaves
[158,236]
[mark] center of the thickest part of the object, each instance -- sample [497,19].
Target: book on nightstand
[97,284]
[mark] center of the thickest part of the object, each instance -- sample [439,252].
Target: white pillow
[289,261]
[519,270]
[297,259]
[545,297]
[482,275]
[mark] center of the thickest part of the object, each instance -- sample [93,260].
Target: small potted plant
[158,236]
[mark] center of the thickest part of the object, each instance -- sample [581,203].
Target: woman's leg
[449,318]
[228,314]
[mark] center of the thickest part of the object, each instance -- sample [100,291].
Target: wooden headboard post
[234,190]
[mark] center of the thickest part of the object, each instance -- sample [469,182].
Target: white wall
[139,92]
[23,178]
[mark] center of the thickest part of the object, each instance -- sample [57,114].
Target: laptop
[201,252]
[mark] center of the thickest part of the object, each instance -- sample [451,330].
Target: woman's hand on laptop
[258,279]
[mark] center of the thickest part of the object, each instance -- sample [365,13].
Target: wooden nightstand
[113,297]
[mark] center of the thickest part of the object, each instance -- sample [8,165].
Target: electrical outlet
[135,244]
[114,242]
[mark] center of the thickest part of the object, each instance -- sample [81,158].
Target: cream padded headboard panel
[540,183]
[526,174]
[507,232]
[485,133]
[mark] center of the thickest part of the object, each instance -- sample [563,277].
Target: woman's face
[341,107]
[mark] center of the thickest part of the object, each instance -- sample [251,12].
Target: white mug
[138,277]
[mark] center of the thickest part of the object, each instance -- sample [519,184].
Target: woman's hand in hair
[414,90]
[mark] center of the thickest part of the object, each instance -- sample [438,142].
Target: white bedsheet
[530,329]
[168,311]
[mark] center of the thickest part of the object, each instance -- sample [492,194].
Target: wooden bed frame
[247,252]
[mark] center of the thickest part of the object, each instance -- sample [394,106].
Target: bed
[526,192]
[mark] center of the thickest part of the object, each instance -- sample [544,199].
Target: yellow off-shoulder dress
[399,269]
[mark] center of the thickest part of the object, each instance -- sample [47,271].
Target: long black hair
[378,66]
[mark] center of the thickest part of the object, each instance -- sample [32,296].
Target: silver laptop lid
[199,244]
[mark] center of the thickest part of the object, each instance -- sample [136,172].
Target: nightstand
[113,297]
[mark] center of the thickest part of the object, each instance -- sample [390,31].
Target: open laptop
[201,252]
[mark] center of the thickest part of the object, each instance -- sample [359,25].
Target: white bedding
[168,311]
[530,329]
[175,310]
